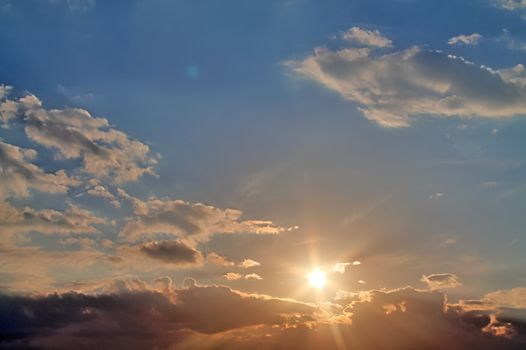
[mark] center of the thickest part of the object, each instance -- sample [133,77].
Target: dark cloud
[175,252]
[138,318]
[133,315]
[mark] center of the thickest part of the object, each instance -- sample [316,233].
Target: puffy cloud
[372,38]
[394,89]
[462,39]
[340,267]
[46,221]
[174,252]
[96,189]
[135,316]
[253,276]
[18,175]
[74,134]
[193,222]
[233,276]
[4,90]
[218,260]
[441,280]
[248,263]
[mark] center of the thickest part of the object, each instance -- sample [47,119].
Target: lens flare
[317,279]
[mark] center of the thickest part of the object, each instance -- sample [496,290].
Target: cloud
[511,5]
[512,298]
[174,252]
[441,281]
[253,276]
[233,276]
[340,267]
[510,41]
[194,222]
[96,189]
[134,315]
[18,175]
[397,88]
[372,38]
[74,134]
[4,90]
[46,221]
[248,263]
[218,260]
[472,39]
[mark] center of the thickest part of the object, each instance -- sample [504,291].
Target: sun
[317,279]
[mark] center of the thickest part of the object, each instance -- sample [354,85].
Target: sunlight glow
[317,279]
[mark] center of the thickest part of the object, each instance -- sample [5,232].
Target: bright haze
[278,174]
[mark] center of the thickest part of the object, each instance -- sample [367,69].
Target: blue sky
[353,130]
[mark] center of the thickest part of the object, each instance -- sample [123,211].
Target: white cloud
[248,263]
[372,38]
[396,88]
[194,222]
[233,276]
[340,267]
[4,90]
[472,39]
[18,175]
[253,276]
[74,134]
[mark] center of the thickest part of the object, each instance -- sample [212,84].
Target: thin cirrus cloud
[399,87]
[463,39]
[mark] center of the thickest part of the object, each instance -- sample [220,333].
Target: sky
[280,174]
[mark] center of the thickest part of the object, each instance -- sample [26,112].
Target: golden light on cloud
[317,278]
